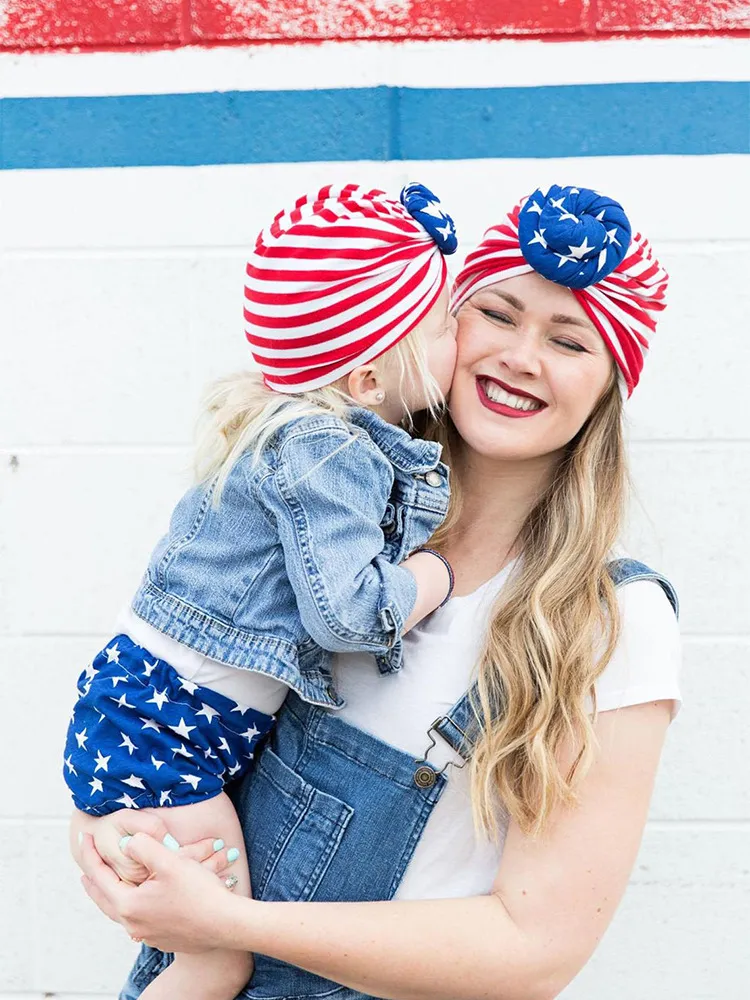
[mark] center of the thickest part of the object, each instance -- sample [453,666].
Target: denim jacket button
[433,478]
[424,777]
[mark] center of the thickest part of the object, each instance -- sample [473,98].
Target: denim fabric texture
[300,558]
[331,813]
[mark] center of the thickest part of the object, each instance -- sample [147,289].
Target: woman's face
[530,369]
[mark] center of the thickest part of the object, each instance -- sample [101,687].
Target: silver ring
[231,881]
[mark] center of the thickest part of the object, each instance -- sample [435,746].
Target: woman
[554,310]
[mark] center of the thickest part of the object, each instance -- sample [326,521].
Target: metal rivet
[424,777]
[433,478]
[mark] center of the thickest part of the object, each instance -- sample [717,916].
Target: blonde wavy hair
[552,630]
[240,413]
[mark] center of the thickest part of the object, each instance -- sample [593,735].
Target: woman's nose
[521,354]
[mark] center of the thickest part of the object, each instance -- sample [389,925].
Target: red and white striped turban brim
[339,279]
[583,240]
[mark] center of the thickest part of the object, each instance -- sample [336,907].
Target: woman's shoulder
[646,663]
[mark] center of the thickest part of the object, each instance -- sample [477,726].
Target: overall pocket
[292,831]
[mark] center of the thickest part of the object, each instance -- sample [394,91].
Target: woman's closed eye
[501,317]
[571,345]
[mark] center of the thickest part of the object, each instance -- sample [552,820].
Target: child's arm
[328,498]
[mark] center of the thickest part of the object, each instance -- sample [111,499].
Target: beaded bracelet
[451,578]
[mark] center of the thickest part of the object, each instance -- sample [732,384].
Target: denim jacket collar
[410,455]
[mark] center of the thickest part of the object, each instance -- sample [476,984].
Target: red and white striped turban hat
[581,239]
[340,278]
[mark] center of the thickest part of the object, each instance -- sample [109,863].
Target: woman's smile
[506,400]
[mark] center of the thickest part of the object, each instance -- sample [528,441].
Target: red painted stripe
[91,23]
[673,15]
[141,24]
[340,19]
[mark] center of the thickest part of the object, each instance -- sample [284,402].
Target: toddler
[302,538]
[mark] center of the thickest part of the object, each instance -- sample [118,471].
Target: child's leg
[216,974]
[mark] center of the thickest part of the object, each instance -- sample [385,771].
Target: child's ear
[364,386]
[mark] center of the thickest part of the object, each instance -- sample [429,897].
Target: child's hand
[112,832]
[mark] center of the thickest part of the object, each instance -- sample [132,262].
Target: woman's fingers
[100,874]
[94,893]
[202,850]
[150,853]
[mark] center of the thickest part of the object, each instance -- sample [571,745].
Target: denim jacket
[300,559]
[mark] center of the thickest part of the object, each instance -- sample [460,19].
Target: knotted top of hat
[583,240]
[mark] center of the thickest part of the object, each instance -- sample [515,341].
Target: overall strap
[460,728]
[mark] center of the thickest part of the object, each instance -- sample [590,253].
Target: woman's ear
[364,385]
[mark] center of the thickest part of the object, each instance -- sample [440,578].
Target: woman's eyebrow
[510,299]
[572,321]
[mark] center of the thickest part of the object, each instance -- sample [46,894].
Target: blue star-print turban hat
[583,240]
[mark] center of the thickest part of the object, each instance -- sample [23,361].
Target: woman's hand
[182,905]
[112,832]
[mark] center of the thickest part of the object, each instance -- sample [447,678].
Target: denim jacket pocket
[288,859]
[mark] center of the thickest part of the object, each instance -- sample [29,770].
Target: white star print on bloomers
[141,735]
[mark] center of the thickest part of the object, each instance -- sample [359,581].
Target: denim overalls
[334,814]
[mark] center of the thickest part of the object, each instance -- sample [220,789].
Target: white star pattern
[445,231]
[182,751]
[558,203]
[127,802]
[612,236]
[223,745]
[183,729]
[157,763]
[128,743]
[148,668]
[159,699]
[122,701]
[90,671]
[209,754]
[81,738]
[150,724]
[599,216]
[101,762]
[251,733]
[434,210]
[602,259]
[580,251]
[191,779]
[96,786]
[235,769]
[210,713]
[165,797]
[188,686]
[113,654]
[565,214]
[564,259]
[135,782]
[539,238]
[116,680]
[240,708]
[69,765]
[533,207]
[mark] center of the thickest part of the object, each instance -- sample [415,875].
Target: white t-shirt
[451,860]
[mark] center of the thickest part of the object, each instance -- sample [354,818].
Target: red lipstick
[502,408]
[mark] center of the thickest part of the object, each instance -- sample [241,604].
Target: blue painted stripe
[376,123]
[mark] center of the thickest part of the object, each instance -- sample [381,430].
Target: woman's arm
[551,901]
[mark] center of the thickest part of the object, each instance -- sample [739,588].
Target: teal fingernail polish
[124,841]
[80,838]
[170,842]
[232,854]
[218,844]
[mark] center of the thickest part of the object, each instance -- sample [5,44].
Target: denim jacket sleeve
[328,496]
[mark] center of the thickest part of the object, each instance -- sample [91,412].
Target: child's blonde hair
[240,413]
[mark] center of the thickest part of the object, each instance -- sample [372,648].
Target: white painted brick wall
[120,296]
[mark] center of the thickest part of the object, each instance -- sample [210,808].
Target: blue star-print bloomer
[141,735]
